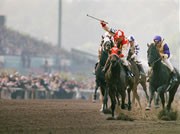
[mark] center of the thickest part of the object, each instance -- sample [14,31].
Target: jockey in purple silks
[165,54]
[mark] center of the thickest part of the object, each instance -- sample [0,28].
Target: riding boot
[173,77]
[141,70]
[106,66]
[129,73]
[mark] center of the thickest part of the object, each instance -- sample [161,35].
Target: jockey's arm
[166,52]
[106,28]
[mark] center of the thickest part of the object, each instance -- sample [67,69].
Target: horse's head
[114,59]
[107,44]
[153,54]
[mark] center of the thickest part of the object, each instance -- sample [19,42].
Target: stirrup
[174,79]
[130,75]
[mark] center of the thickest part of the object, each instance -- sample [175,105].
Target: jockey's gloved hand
[165,56]
[103,23]
[133,56]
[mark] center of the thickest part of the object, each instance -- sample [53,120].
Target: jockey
[165,54]
[134,48]
[121,43]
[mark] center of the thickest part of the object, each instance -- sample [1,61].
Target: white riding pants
[125,50]
[168,64]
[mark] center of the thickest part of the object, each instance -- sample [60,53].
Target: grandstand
[25,53]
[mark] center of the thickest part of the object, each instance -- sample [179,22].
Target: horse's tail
[178,75]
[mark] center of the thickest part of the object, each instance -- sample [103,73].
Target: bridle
[156,61]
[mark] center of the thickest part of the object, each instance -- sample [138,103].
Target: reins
[156,61]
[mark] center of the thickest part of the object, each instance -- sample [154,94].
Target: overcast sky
[142,18]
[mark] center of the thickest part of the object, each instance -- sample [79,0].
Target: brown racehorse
[118,82]
[142,79]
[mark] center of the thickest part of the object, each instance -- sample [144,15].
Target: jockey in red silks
[122,44]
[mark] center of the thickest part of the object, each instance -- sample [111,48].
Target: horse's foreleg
[162,99]
[160,92]
[129,98]
[151,98]
[113,101]
[157,100]
[117,97]
[123,96]
[101,98]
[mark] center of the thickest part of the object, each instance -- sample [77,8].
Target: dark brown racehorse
[118,82]
[100,77]
[160,79]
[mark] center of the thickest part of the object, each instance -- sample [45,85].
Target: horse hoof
[110,118]
[123,107]
[148,108]
[94,101]
[101,110]
[157,106]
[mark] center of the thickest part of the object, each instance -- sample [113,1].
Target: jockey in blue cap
[134,48]
[165,54]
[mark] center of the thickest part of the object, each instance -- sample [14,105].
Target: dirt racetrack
[76,117]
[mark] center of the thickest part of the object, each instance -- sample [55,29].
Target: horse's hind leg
[135,94]
[105,99]
[95,93]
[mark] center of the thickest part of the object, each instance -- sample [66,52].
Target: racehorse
[160,79]
[142,77]
[118,82]
[115,83]
[136,81]
[100,77]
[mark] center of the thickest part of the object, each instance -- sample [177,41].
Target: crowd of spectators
[15,43]
[45,81]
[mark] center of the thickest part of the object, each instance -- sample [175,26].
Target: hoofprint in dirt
[77,117]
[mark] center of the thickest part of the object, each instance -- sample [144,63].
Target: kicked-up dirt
[77,117]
